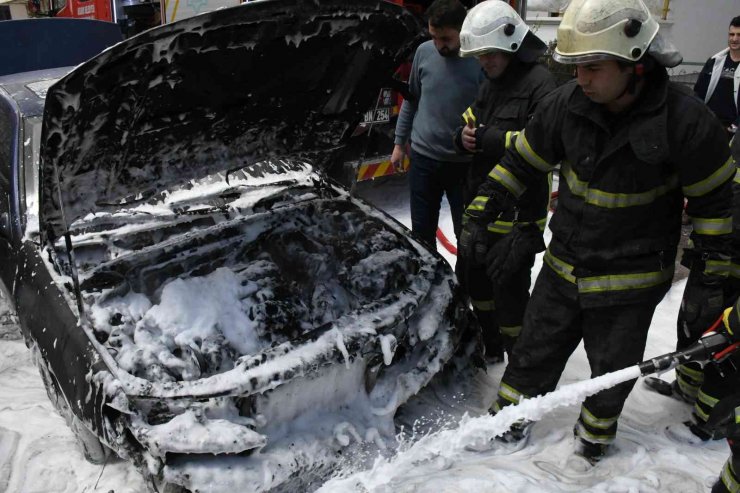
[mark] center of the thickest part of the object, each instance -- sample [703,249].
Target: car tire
[92,448]
[90,445]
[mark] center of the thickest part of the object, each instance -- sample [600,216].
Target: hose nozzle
[701,350]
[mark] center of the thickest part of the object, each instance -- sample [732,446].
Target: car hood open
[219,91]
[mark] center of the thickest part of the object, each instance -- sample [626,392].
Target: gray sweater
[443,88]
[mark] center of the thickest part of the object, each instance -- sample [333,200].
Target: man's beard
[448,53]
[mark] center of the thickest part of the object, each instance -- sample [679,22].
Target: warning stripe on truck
[370,170]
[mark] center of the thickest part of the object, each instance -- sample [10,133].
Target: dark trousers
[554,324]
[474,178]
[500,310]
[710,383]
[728,479]
[429,179]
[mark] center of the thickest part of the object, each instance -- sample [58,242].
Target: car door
[9,154]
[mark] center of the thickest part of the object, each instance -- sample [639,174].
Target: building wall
[700,26]
[18,11]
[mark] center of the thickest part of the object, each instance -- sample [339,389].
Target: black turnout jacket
[623,181]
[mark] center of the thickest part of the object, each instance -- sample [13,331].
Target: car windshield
[30,173]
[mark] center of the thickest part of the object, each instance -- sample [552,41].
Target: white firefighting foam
[38,452]
[478,433]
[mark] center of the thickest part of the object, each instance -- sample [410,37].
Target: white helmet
[494,26]
[491,26]
[604,29]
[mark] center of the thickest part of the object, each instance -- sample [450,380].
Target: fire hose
[712,346]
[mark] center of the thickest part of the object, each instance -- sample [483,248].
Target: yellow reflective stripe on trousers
[696,375]
[712,227]
[508,180]
[706,399]
[510,393]
[717,267]
[594,422]
[485,306]
[478,203]
[737,415]
[687,388]
[729,479]
[582,432]
[607,283]
[511,331]
[469,117]
[703,187]
[737,176]
[610,200]
[505,227]
[700,413]
[525,150]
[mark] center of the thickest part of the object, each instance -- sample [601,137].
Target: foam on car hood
[219,91]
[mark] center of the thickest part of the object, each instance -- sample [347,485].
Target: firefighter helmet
[494,25]
[604,29]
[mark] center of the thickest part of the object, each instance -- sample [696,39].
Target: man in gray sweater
[442,86]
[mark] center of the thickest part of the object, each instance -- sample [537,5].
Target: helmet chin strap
[638,74]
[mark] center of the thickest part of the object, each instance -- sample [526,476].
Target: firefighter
[704,387]
[515,83]
[631,146]
[724,418]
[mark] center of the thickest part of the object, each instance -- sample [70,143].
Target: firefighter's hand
[513,252]
[468,138]
[701,306]
[397,157]
[473,242]
[472,137]
[724,420]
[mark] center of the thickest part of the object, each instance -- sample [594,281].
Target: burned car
[202,300]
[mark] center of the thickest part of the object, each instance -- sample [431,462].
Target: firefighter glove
[489,205]
[724,420]
[513,252]
[473,242]
[702,304]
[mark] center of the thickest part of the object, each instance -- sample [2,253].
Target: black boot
[591,451]
[518,432]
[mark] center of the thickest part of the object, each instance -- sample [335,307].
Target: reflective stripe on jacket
[623,182]
[735,267]
[504,106]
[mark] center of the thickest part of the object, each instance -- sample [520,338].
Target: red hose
[726,351]
[553,197]
[446,243]
[714,325]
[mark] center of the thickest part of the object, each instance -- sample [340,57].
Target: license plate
[379,115]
